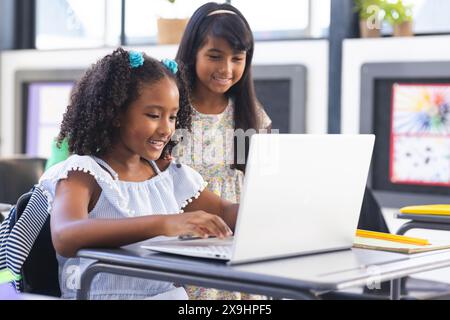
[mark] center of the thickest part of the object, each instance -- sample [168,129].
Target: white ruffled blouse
[166,193]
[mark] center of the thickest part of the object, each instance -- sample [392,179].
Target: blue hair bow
[136,59]
[170,64]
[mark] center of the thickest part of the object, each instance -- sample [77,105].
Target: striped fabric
[16,240]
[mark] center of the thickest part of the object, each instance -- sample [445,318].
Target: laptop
[302,194]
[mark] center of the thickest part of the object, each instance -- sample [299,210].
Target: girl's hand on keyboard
[196,223]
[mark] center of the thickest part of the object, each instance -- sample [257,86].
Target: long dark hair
[104,93]
[235,29]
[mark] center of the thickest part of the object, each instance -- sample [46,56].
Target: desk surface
[318,272]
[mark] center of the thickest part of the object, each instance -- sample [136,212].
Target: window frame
[26,34]
[303,34]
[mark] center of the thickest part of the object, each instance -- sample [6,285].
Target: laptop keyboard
[206,248]
[214,250]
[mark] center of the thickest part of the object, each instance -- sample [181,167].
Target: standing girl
[217,51]
[111,192]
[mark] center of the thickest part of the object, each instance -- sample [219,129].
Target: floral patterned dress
[210,151]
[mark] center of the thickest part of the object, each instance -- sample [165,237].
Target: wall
[313,54]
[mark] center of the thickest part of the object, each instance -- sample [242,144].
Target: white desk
[298,278]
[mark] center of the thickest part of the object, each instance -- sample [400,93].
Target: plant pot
[404,29]
[170,31]
[367,30]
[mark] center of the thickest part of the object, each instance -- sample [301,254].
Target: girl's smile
[158,144]
[149,122]
[218,66]
[222,81]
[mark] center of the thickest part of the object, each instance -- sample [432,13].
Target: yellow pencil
[391,237]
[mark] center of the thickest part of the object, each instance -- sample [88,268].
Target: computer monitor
[281,89]
[41,99]
[407,106]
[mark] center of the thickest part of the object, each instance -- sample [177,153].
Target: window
[141,17]
[320,18]
[77,23]
[86,24]
[431,16]
[286,19]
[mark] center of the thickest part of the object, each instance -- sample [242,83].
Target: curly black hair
[105,92]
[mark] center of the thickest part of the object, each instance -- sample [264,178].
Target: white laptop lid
[302,194]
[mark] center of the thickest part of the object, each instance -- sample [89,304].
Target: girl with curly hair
[116,188]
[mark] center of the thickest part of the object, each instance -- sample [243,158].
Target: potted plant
[170,30]
[370,17]
[399,16]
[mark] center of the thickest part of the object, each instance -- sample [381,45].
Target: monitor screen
[412,151]
[41,100]
[420,134]
[281,89]
[274,95]
[46,104]
[407,106]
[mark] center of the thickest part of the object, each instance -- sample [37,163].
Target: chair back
[18,175]
[40,269]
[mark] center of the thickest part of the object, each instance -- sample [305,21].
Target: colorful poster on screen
[420,134]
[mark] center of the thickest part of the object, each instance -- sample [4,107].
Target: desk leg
[396,286]
[86,279]
[422,225]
